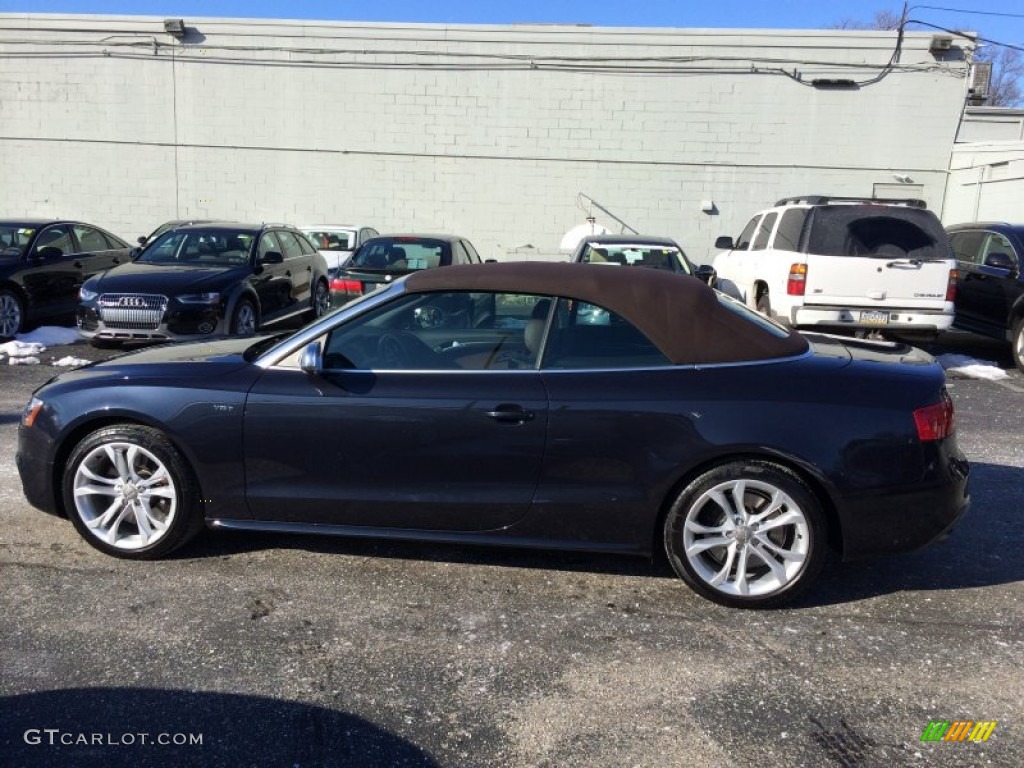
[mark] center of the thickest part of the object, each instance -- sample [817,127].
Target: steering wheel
[392,351]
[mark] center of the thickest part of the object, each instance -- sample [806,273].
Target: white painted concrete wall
[487,131]
[986,179]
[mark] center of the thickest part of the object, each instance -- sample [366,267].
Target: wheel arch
[240,292]
[78,432]
[817,484]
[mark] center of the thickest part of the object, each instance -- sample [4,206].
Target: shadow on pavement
[233,730]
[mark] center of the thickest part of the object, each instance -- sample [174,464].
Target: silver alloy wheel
[10,315]
[746,537]
[125,495]
[245,319]
[322,300]
[1018,344]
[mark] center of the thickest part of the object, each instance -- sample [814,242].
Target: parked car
[205,280]
[841,263]
[469,404]
[338,243]
[44,262]
[380,260]
[640,251]
[990,298]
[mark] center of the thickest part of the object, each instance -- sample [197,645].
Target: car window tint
[113,243]
[55,237]
[269,243]
[15,239]
[764,231]
[997,243]
[743,241]
[791,227]
[589,336]
[887,232]
[290,244]
[89,239]
[305,245]
[402,254]
[327,240]
[447,331]
[967,246]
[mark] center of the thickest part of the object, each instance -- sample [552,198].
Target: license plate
[874,318]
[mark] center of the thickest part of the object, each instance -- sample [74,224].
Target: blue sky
[796,14]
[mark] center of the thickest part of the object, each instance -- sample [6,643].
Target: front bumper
[36,471]
[177,324]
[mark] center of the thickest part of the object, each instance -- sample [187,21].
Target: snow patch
[70,362]
[51,335]
[969,368]
[23,361]
[15,349]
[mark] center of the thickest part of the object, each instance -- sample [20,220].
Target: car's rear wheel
[1017,344]
[321,299]
[747,534]
[130,493]
[12,314]
[243,319]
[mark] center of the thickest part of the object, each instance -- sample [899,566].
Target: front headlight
[84,294]
[199,298]
[28,416]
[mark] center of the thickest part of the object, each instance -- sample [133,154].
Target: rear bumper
[897,319]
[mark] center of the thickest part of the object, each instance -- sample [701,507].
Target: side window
[743,241]
[588,336]
[967,246]
[791,227]
[474,257]
[304,244]
[89,239]
[443,331]
[113,243]
[997,244]
[290,244]
[459,254]
[269,243]
[764,232]
[58,238]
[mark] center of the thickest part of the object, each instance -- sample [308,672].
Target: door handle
[508,413]
[77,264]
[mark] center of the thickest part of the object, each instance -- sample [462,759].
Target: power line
[964,10]
[972,38]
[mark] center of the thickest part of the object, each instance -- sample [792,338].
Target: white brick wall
[421,127]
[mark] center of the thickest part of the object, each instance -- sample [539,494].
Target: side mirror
[272,257]
[706,273]
[49,252]
[133,254]
[311,360]
[724,243]
[1000,260]
[141,240]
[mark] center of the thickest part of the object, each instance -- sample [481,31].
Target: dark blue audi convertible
[560,406]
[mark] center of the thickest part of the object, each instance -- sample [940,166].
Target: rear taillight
[338,285]
[797,282]
[935,422]
[954,277]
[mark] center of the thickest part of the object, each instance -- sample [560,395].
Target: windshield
[332,239]
[639,255]
[14,239]
[200,247]
[402,254]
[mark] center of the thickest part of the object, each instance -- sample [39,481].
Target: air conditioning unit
[981,79]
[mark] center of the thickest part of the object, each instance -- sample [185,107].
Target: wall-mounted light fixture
[175,27]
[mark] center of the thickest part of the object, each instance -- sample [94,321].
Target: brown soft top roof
[680,314]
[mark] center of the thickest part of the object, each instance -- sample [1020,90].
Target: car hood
[140,277]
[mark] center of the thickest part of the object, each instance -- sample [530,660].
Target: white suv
[841,263]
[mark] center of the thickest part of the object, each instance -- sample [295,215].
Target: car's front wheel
[12,314]
[130,493]
[747,534]
[1017,344]
[243,319]
[321,299]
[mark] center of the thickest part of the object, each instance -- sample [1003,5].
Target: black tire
[12,314]
[764,304]
[696,518]
[244,319]
[1017,344]
[140,469]
[320,300]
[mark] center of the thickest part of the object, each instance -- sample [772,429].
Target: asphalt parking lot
[306,651]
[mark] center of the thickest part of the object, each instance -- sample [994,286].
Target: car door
[996,279]
[299,271]
[97,250]
[272,285]
[423,443]
[732,265]
[971,289]
[52,273]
